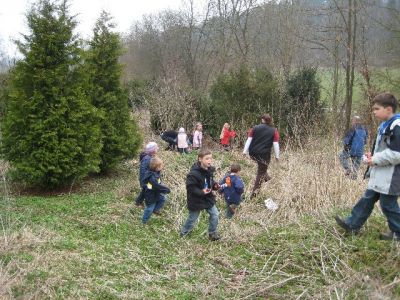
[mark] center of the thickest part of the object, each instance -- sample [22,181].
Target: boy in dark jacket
[200,185]
[145,157]
[233,187]
[384,172]
[354,143]
[154,190]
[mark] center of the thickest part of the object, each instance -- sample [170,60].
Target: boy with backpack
[232,187]
[383,172]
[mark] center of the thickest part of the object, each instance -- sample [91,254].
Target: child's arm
[193,186]
[158,186]
[391,155]
[239,186]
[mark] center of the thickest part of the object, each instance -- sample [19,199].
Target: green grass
[89,245]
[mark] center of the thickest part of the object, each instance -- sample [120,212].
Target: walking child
[145,157]
[199,186]
[183,143]
[197,136]
[154,190]
[383,172]
[233,187]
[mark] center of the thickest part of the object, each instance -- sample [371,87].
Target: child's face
[206,161]
[382,113]
[160,167]
[200,127]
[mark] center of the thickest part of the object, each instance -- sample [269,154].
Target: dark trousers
[262,174]
[140,198]
[362,210]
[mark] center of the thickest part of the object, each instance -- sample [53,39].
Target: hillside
[86,243]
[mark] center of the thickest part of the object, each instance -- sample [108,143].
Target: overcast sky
[125,12]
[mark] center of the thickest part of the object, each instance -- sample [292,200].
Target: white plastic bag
[270,204]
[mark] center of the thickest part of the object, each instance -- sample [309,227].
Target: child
[354,143]
[170,137]
[199,186]
[226,136]
[155,191]
[232,186]
[183,144]
[384,172]
[198,136]
[145,157]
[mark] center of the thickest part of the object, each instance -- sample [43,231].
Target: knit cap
[151,147]
[181,130]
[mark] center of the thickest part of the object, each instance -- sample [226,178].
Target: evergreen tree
[120,135]
[50,131]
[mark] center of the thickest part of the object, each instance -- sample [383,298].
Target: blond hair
[155,164]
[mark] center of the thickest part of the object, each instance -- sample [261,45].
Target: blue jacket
[144,167]
[355,140]
[153,187]
[233,193]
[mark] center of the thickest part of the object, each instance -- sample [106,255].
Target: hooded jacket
[196,180]
[355,140]
[153,187]
[233,193]
[385,171]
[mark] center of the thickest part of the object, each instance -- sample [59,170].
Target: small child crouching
[233,187]
[154,190]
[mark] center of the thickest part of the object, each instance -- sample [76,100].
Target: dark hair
[203,152]
[386,100]
[235,168]
[267,119]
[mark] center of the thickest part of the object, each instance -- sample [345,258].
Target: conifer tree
[50,131]
[120,135]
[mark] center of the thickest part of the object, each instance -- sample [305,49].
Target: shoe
[232,208]
[158,213]
[214,236]
[139,204]
[345,226]
[390,236]
[183,234]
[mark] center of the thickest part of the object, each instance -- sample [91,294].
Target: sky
[125,13]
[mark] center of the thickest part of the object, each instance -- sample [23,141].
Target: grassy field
[87,244]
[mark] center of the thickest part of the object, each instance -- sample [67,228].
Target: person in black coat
[200,185]
[155,191]
[170,136]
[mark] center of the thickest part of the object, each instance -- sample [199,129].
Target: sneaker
[139,204]
[214,236]
[183,234]
[345,226]
[158,213]
[390,236]
[232,208]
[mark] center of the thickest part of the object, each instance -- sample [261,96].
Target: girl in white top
[198,136]
[183,144]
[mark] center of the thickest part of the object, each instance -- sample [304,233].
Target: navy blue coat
[144,167]
[233,193]
[355,140]
[153,187]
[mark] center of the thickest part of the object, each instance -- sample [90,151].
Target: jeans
[140,197]
[354,166]
[153,207]
[194,215]
[362,210]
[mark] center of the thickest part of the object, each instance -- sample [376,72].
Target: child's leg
[148,211]
[362,210]
[213,219]
[190,221]
[391,209]
[139,200]
[160,203]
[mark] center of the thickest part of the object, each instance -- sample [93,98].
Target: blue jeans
[194,215]
[362,210]
[153,207]
[353,166]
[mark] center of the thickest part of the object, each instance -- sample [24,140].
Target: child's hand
[222,186]
[206,191]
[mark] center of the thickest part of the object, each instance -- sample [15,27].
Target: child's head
[151,148]
[198,126]
[205,158]
[156,164]
[384,106]
[181,130]
[227,126]
[266,119]
[235,168]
